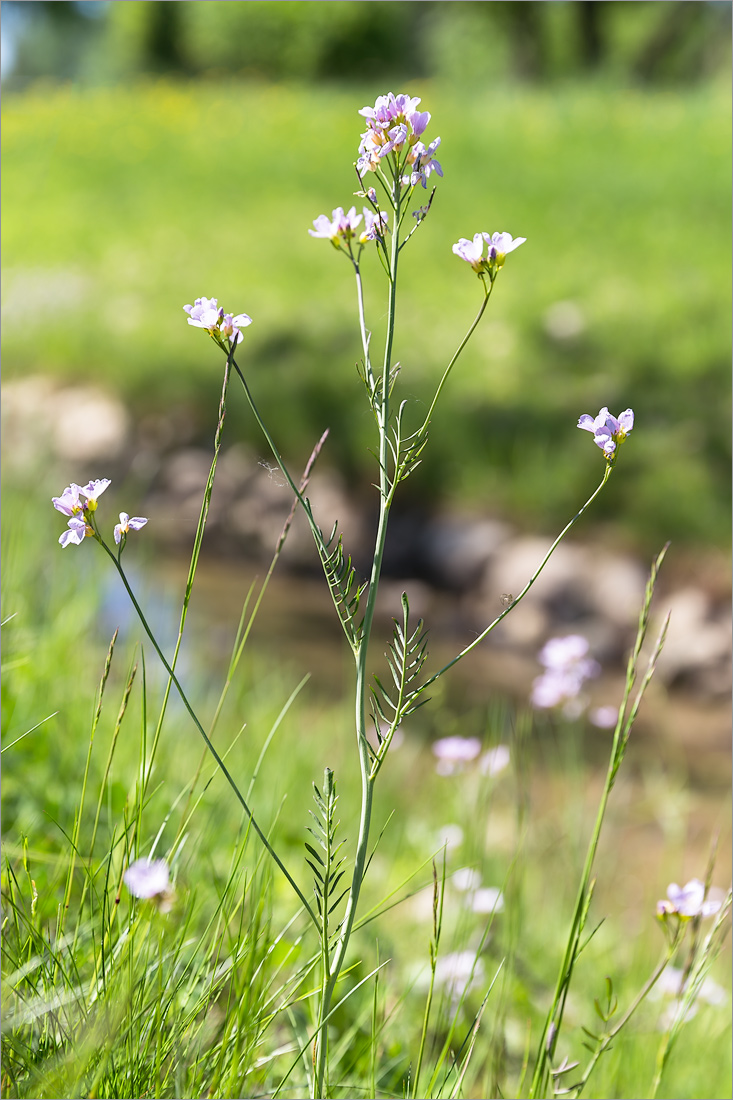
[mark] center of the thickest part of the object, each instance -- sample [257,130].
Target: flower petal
[626,420]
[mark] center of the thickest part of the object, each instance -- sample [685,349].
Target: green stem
[77,822]
[198,540]
[244,629]
[321,546]
[453,361]
[438,899]
[477,641]
[362,328]
[361,654]
[690,988]
[611,1035]
[553,1021]
[202,731]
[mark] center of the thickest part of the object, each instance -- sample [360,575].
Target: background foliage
[123,203]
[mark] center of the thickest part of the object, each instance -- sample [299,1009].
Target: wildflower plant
[396,160]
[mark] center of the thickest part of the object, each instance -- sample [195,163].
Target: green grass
[138,1003]
[120,205]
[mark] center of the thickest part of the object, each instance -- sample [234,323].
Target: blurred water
[297,627]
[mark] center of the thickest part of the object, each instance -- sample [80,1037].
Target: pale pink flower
[93,491]
[69,502]
[394,125]
[457,972]
[78,531]
[230,326]
[126,524]
[471,251]
[688,901]
[500,245]
[449,836]
[79,502]
[608,431]
[206,313]
[374,225]
[341,226]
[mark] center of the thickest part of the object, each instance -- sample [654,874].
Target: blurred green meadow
[122,203]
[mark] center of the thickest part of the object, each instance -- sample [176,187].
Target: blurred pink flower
[487,899]
[494,761]
[567,667]
[453,752]
[150,879]
[687,901]
[604,717]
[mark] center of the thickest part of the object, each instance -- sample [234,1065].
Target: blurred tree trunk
[677,21]
[524,23]
[162,37]
[590,16]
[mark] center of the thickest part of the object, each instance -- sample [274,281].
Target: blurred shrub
[292,39]
[667,41]
[452,38]
[119,209]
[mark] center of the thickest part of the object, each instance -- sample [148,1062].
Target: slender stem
[244,630]
[477,641]
[690,988]
[77,822]
[225,771]
[611,1035]
[321,546]
[361,653]
[453,361]
[553,1021]
[146,768]
[362,327]
[438,899]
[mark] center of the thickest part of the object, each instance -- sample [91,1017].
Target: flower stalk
[393,149]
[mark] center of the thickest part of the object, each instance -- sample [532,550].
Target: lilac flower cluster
[687,901]
[206,313]
[499,245]
[341,228]
[394,127]
[567,667]
[80,503]
[608,431]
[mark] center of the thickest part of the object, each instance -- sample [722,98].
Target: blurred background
[154,153]
[158,152]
